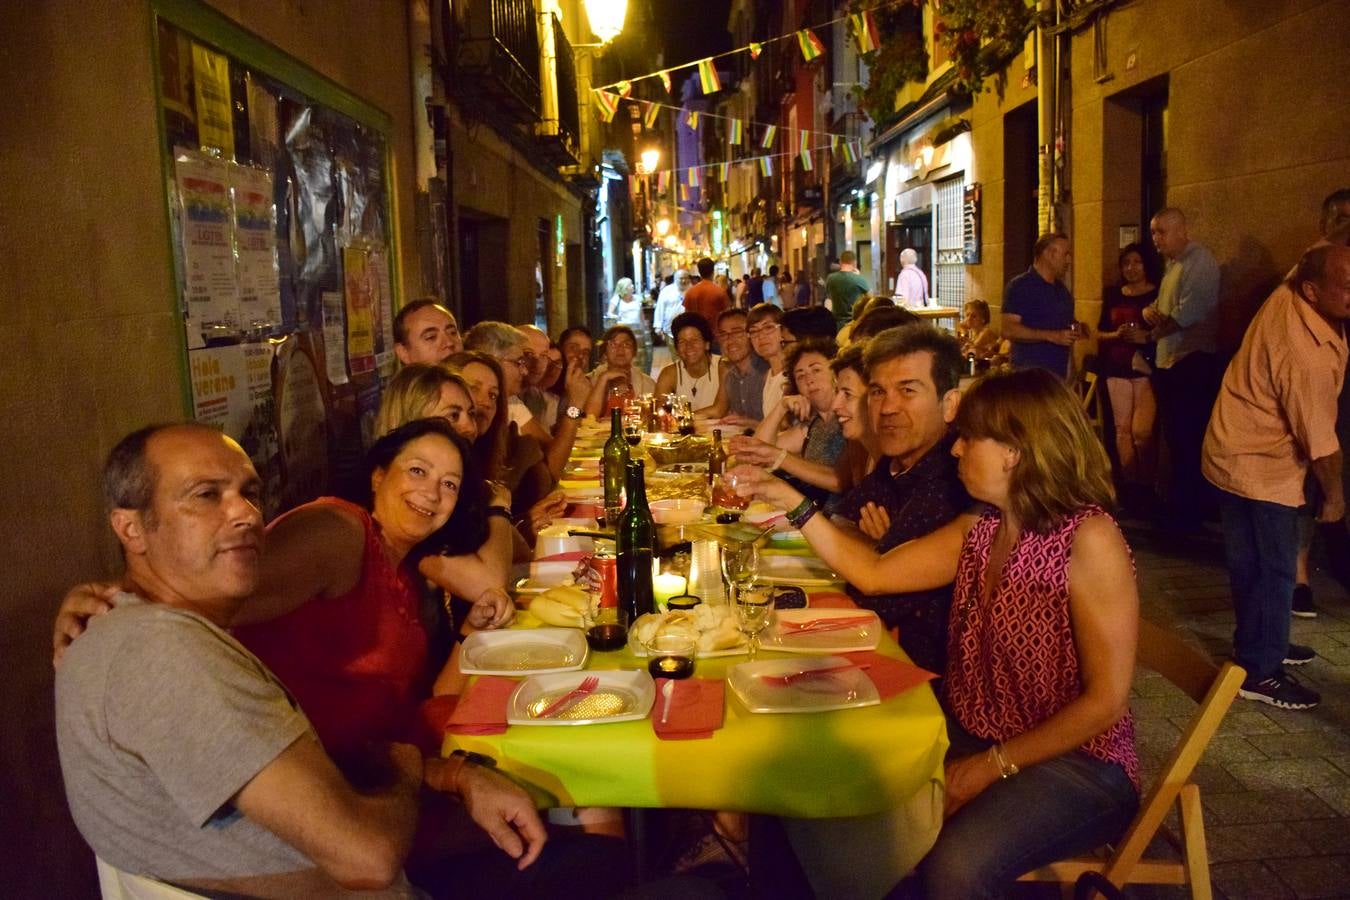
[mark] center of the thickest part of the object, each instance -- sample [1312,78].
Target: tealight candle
[665,586]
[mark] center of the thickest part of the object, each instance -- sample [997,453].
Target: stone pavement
[1275,784]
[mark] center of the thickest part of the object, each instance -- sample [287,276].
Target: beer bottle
[717,456]
[636,540]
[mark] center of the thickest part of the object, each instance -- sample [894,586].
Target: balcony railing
[499,54]
[560,127]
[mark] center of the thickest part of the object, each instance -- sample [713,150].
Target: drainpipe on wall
[1047,80]
[432,63]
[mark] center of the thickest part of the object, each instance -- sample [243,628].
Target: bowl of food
[677,512]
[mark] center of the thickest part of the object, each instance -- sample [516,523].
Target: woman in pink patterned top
[1041,644]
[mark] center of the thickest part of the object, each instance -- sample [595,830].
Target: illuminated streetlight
[648,160]
[606,18]
[662,227]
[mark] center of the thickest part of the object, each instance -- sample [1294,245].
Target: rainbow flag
[809,44]
[607,104]
[693,176]
[734,132]
[692,119]
[756,48]
[665,79]
[770,132]
[850,155]
[723,170]
[865,31]
[663,181]
[807,166]
[708,78]
[625,88]
[766,165]
[649,117]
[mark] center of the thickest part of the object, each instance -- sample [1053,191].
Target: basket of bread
[713,627]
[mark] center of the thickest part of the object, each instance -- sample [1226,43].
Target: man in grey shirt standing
[1185,323]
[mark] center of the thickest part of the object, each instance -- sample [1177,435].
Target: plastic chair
[1214,689]
[114,884]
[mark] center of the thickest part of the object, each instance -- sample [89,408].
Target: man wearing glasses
[746,373]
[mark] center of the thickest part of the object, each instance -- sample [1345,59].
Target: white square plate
[804,571]
[523,651]
[865,636]
[621,696]
[846,689]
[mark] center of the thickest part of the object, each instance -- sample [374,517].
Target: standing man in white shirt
[670,303]
[911,285]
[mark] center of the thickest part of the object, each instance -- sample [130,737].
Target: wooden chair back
[1212,687]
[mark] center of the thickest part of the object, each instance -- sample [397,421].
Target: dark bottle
[612,463]
[636,539]
[970,363]
[717,456]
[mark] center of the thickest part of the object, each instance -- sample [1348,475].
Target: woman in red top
[1041,643]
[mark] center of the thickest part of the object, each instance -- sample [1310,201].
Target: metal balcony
[559,131]
[498,55]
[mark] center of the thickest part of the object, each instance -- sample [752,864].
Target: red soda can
[607,567]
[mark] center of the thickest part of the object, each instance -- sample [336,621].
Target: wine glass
[633,422]
[754,606]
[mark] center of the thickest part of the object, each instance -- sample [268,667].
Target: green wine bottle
[613,462]
[636,539]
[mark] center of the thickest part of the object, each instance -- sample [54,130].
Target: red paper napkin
[482,708]
[432,718]
[830,600]
[696,707]
[583,510]
[891,676]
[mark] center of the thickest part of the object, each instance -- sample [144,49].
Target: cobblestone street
[1275,784]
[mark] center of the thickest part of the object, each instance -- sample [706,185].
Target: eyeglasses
[734,333]
[523,362]
[786,344]
[759,330]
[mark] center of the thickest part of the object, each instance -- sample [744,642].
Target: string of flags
[863,26]
[691,176]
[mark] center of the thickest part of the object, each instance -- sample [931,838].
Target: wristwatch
[573,412]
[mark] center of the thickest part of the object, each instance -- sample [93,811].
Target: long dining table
[859,791]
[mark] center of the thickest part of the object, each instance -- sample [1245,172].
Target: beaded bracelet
[802,513]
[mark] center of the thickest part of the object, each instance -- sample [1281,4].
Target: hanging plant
[901,57]
[966,27]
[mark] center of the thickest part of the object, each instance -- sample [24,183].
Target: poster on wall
[302,424]
[335,336]
[360,318]
[211,90]
[207,252]
[970,225]
[256,248]
[220,395]
[377,267]
[259,438]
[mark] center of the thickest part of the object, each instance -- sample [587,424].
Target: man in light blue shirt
[1185,322]
[770,288]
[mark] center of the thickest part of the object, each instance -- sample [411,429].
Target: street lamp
[649,159]
[606,18]
[662,227]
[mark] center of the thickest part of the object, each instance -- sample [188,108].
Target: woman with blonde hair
[1042,634]
[420,391]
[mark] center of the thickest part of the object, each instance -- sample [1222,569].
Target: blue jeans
[1260,542]
[1063,807]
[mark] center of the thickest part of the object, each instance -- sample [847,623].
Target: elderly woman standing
[1042,635]
[625,308]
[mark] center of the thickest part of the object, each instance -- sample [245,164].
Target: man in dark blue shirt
[1038,310]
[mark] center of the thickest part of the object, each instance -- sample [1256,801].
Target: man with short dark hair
[913,374]
[1038,309]
[1273,422]
[842,288]
[426,332]
[185,760]
[707,298]
[746,370]
[1185,326]
[768,288]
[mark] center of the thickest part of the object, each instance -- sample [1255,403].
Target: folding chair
[1214,689]
[1087,395]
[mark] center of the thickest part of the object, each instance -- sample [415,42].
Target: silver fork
[567,700]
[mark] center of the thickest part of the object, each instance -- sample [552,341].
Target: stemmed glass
[740,565]
[633,422]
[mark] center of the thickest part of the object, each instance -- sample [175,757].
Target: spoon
[667,690]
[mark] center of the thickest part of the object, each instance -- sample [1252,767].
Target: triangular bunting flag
[756,48]
[723,170]
[684,193]
[665,79]
[692,119]
[850,155]
[865,31]
[806,159]
[734,132]
[693,176]
[607,104]
[624,88]
[708,78]
[663,181]
[803,141]
[809,44]
[649,117]
[770,132]
[834,142]
[766,165]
